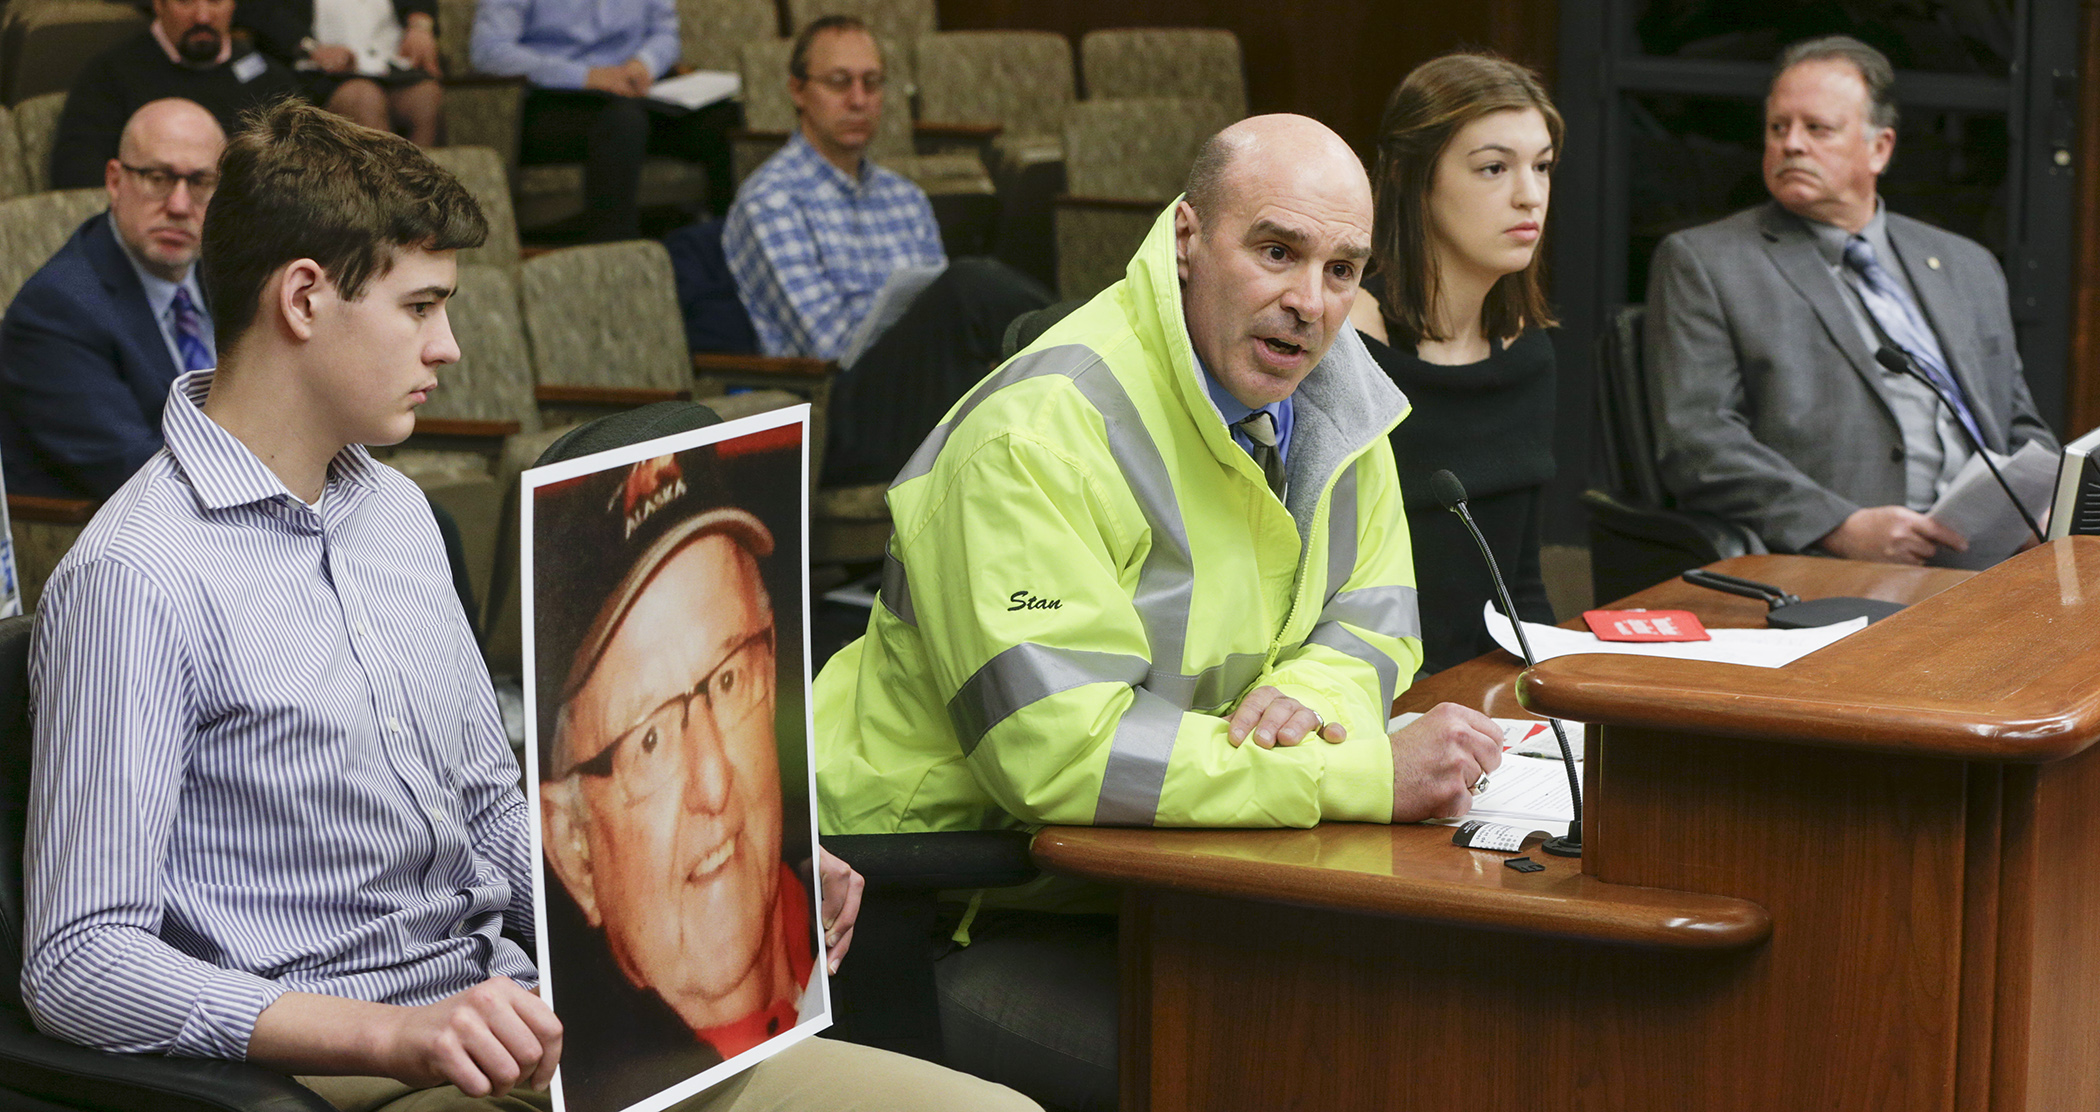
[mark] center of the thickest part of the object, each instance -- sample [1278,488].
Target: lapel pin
[1933,261]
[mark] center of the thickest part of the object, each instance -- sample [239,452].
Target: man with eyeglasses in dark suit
[93,340]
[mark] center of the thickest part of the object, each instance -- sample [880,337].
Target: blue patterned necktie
[1260,427]
[189,333]
[1905,326]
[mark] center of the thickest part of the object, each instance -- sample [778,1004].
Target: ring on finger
[1479,785]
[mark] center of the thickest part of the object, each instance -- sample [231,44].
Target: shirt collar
[814,162]
[222,470]
[1231,408]
[1831,239]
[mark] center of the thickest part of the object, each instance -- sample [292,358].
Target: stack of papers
[1530,790]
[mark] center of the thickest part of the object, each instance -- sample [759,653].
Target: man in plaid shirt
[818,230]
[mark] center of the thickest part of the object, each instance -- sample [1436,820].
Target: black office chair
[1637,535]
[43,1074]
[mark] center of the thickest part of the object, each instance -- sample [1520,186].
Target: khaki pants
[815,1075]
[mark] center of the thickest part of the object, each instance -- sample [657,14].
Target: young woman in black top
[1455,311]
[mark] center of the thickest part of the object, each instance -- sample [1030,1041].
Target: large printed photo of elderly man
[672,762]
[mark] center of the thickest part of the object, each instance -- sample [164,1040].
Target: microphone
[1895,360]
[1452,494]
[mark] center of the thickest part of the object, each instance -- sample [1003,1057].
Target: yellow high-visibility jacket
[1088,573]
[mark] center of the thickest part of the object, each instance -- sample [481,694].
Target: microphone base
[1562,847]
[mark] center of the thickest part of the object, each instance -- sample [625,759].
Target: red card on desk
[1645,625]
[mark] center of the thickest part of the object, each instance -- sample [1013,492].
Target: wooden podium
[1862,882]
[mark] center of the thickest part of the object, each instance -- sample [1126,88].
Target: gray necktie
[1905,326]
[1260,427]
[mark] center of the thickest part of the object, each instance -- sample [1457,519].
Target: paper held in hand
[1976,507]
[697,89]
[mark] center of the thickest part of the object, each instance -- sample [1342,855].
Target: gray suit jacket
[1768,405]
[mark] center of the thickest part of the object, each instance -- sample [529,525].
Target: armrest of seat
[51,511]
[1147,206]
[956,131]
[35,1064]
[1705,535]
[938,860]
[784,366]
[623,397]
[758,135]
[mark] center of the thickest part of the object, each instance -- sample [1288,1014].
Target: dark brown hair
[1441,96]
[301,183]
[798,55]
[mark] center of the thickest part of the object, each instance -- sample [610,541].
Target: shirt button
[436,814]
[393,725]
[1896,454]
[363,630]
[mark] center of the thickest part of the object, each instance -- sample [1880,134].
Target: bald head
[1279,139]
[167,161]
[1270,244]
[171,121]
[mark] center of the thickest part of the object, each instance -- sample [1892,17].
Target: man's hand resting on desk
[1891,535]
[1438,758]
[486,1040]
[1272,718]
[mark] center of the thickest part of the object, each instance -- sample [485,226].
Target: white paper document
[697,89]
[1758,648]
[1976,507]
[1530,789]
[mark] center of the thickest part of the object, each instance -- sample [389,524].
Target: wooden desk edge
[1594,911]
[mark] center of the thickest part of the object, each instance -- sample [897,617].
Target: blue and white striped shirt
[267,757]
[811,247]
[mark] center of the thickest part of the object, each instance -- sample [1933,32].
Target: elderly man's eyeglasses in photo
[646,756]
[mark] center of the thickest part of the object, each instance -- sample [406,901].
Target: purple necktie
[189,333]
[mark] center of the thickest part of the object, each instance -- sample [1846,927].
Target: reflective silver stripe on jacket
[1025,674]
[1341,532]
[896,588]
[1394,611]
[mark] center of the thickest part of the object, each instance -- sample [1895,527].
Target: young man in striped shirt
[273,813]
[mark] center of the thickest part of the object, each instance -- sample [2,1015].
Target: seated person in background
[1169,526]
[590,66]
[1455,314]
[317,844]
[90,345]
[374,62]
[187,51]
[1762,329]
[819,228]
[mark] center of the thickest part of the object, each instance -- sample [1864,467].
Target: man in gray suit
[1762,330]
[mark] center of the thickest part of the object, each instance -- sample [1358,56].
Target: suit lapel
[127,296]
[1793,251]
[1951,322]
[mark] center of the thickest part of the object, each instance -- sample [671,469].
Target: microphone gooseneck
[1452,494]
[1897,361]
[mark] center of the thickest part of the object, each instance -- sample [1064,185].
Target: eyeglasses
[160,183]
[645,757]
[838,81]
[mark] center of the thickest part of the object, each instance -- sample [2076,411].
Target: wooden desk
[1856,890]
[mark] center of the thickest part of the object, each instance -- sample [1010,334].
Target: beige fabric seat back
[1194,63]
[480,169]
[43,45]
[1021,80]
[891,20]
[1124,160]
[36,122]
[33,228]
[712,32]
[605,314]
[14,166]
